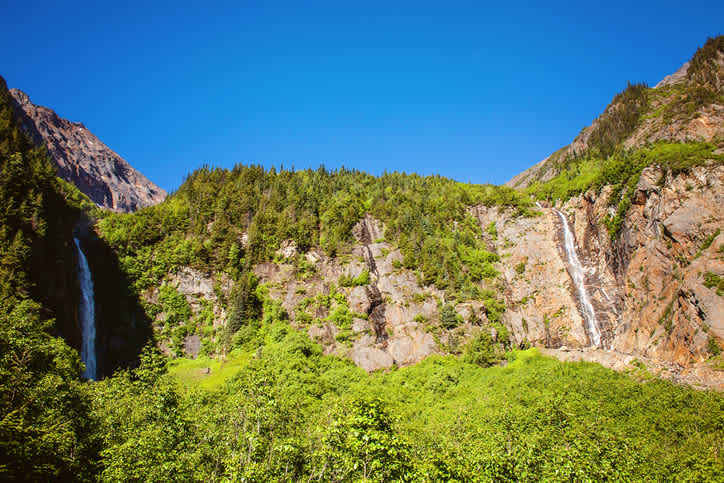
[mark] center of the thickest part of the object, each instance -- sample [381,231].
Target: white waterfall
[87,313]
[577,274]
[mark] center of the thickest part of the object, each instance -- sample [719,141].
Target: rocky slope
[655,285]
[386,320]
[648,286]
[82,159]
[675,110]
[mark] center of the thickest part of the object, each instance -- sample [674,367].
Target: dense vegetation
[45,427]
[235,219]
[224,222]
[285,412]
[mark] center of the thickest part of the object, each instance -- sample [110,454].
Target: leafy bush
[481,350]
[359,281]
[713,346]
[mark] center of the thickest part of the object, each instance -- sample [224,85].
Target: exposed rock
[391,301]
[542,306]
[368,230]
[646,286]
[674,78]
[699,376]
[371,359]
[288,249]
[82,159]
[199,289]
[359,301]
[326,334]
[192,346]
[409,349]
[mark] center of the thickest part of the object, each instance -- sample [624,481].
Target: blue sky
[477,92]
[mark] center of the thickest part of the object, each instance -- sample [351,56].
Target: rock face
[199,289]
[647,286]
[82,159]
[390,312]
[653,286]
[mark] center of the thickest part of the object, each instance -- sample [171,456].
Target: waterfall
[577,274]
[87,315]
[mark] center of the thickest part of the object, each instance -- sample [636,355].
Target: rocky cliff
[656,283]
[82,159]
[651,287]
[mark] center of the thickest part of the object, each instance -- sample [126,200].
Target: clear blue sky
[462,89]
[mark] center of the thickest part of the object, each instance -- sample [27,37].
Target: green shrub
[715,282]
[449,318]
[481,350]
[713,346]
[359,281]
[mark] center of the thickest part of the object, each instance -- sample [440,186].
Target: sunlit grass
[192,373]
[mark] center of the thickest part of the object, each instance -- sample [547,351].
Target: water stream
[87,315]
[578,276]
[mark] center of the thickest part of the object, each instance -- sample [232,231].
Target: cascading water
[87,315]
[577,274]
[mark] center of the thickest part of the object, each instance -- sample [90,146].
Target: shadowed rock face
[82,159]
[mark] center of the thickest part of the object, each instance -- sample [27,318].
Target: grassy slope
[536,418]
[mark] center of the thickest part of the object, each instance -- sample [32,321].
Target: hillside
[687,106]
[389,270]
[82,159]
[45,425]
[330,325]
[642,189]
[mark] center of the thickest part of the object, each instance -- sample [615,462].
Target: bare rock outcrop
[647,285]
[387,328]
[200,290]
[82,159]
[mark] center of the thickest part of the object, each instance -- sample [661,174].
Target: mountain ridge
[685,106]
[84,160]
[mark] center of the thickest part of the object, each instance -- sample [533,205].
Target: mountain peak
[20,97]
[84,160]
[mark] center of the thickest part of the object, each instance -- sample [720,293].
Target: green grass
[191,372]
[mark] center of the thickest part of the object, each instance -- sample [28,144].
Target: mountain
[82,159]
[620,261]
[684,107]
[642,189]
[265,325]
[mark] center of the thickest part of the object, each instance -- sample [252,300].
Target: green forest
[263,402]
